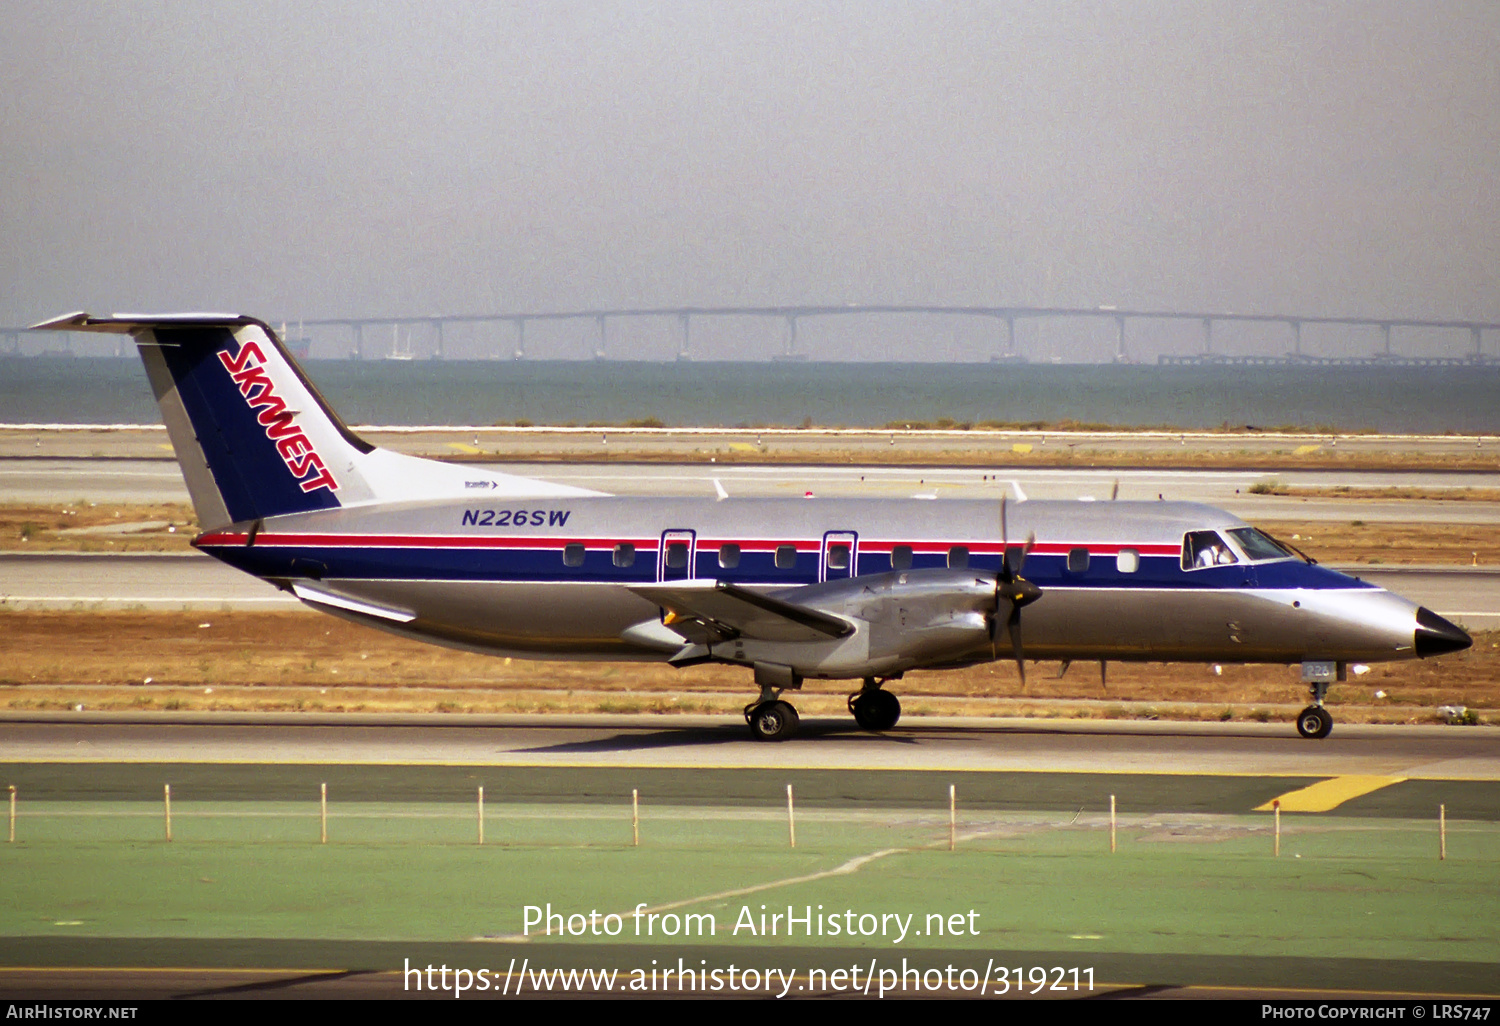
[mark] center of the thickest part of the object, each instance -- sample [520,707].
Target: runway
[667,745]
[226,906]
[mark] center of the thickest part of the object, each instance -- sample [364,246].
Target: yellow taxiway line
[1326,795]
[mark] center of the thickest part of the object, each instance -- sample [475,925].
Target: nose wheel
[874,708]
[1314,721]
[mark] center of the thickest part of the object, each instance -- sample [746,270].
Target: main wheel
[773,721]
[1314,721]
[876,710]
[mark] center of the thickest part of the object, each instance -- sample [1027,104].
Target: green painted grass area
[413,872]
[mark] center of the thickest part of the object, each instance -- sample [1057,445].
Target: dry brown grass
[1393,492]
[1345,542]
[302,661]
[32,527]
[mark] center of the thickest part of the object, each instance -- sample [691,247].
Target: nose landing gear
[873,707]
[1315,721]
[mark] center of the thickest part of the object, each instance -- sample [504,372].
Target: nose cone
[1436,635]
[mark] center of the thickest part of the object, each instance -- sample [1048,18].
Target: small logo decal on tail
[247,368]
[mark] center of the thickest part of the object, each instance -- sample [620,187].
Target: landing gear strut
[1315,721]
[770,718]
[873,707]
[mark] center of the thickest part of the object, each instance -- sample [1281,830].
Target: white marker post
[12,814]
[791,819]
[635,816]
[1276,808]
[481,815]
[1111,824]
[952,817]
[167,802]
[323,811]
[1442,832]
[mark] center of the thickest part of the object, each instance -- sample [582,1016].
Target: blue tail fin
[252,434]
[254,437]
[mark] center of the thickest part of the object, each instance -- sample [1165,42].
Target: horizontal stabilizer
[729,610]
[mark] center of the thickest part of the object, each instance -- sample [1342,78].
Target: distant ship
[301,346]
[398,350]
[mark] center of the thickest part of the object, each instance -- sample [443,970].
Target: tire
[876,710]
[1314,722]
[773,721]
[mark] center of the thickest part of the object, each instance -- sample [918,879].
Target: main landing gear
[1315,721]
[873,707]
[770,718]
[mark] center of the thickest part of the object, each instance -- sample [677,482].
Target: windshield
[1257,546]
[1205,548]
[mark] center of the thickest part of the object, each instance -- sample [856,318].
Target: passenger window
[1128,561]
[1205,548]
[838,556]
[786,557]
[1078,560]
[624,554]
[901,557]
[958,558]
[573,554]
[729,556]
[677,555]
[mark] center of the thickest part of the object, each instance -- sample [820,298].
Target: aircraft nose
[1435,635]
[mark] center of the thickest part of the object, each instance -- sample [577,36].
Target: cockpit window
[1257,546]
[1206,548]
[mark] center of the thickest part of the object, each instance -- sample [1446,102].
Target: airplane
[793,590]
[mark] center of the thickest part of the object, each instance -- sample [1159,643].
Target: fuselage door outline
[675,558]
[840,556]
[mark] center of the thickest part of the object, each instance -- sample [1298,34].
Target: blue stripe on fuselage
[541,565]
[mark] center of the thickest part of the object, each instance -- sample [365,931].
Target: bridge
[1004,349]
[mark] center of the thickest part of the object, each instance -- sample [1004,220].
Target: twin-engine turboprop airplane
[790,589]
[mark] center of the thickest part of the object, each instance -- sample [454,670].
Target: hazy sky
[330,158]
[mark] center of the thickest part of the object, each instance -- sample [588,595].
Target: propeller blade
[1011,587]
[1014,626]
[1025,551]
[1004,536]
[1002,577]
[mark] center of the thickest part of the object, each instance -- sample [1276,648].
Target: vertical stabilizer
[254,437]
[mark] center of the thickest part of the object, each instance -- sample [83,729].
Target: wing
[706,612]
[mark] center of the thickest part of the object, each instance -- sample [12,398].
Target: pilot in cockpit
[1209,550]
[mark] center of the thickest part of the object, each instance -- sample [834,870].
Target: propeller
[1011,587]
